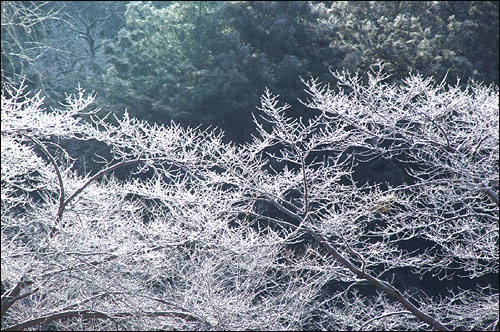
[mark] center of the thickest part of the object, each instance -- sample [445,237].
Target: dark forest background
[208,62]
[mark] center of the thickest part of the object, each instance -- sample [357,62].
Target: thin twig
[382,316]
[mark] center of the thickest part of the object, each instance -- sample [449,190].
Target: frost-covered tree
[274,234]
[53,45]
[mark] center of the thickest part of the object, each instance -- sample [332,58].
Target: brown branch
[97,314]
[477,147]
[60,209]
[304,181]
[96,176]
[101,173]
[380,284]
[492,195]
[489,192]
[447,147]
[11,296]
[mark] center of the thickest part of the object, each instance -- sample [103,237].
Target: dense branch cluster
[274,234]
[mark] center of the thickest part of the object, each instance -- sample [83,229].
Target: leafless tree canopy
[272,235]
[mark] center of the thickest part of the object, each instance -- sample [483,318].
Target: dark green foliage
[432,37]
[208,62]
[282,42]
[172,62]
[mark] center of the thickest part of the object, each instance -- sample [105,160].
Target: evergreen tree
[199,62]
[434,38]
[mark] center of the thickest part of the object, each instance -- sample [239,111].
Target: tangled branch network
[275,234]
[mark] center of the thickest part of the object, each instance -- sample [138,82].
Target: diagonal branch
[59,177]
[88,313]
[60,209]
[380,284]
[11,296]
[96,176]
